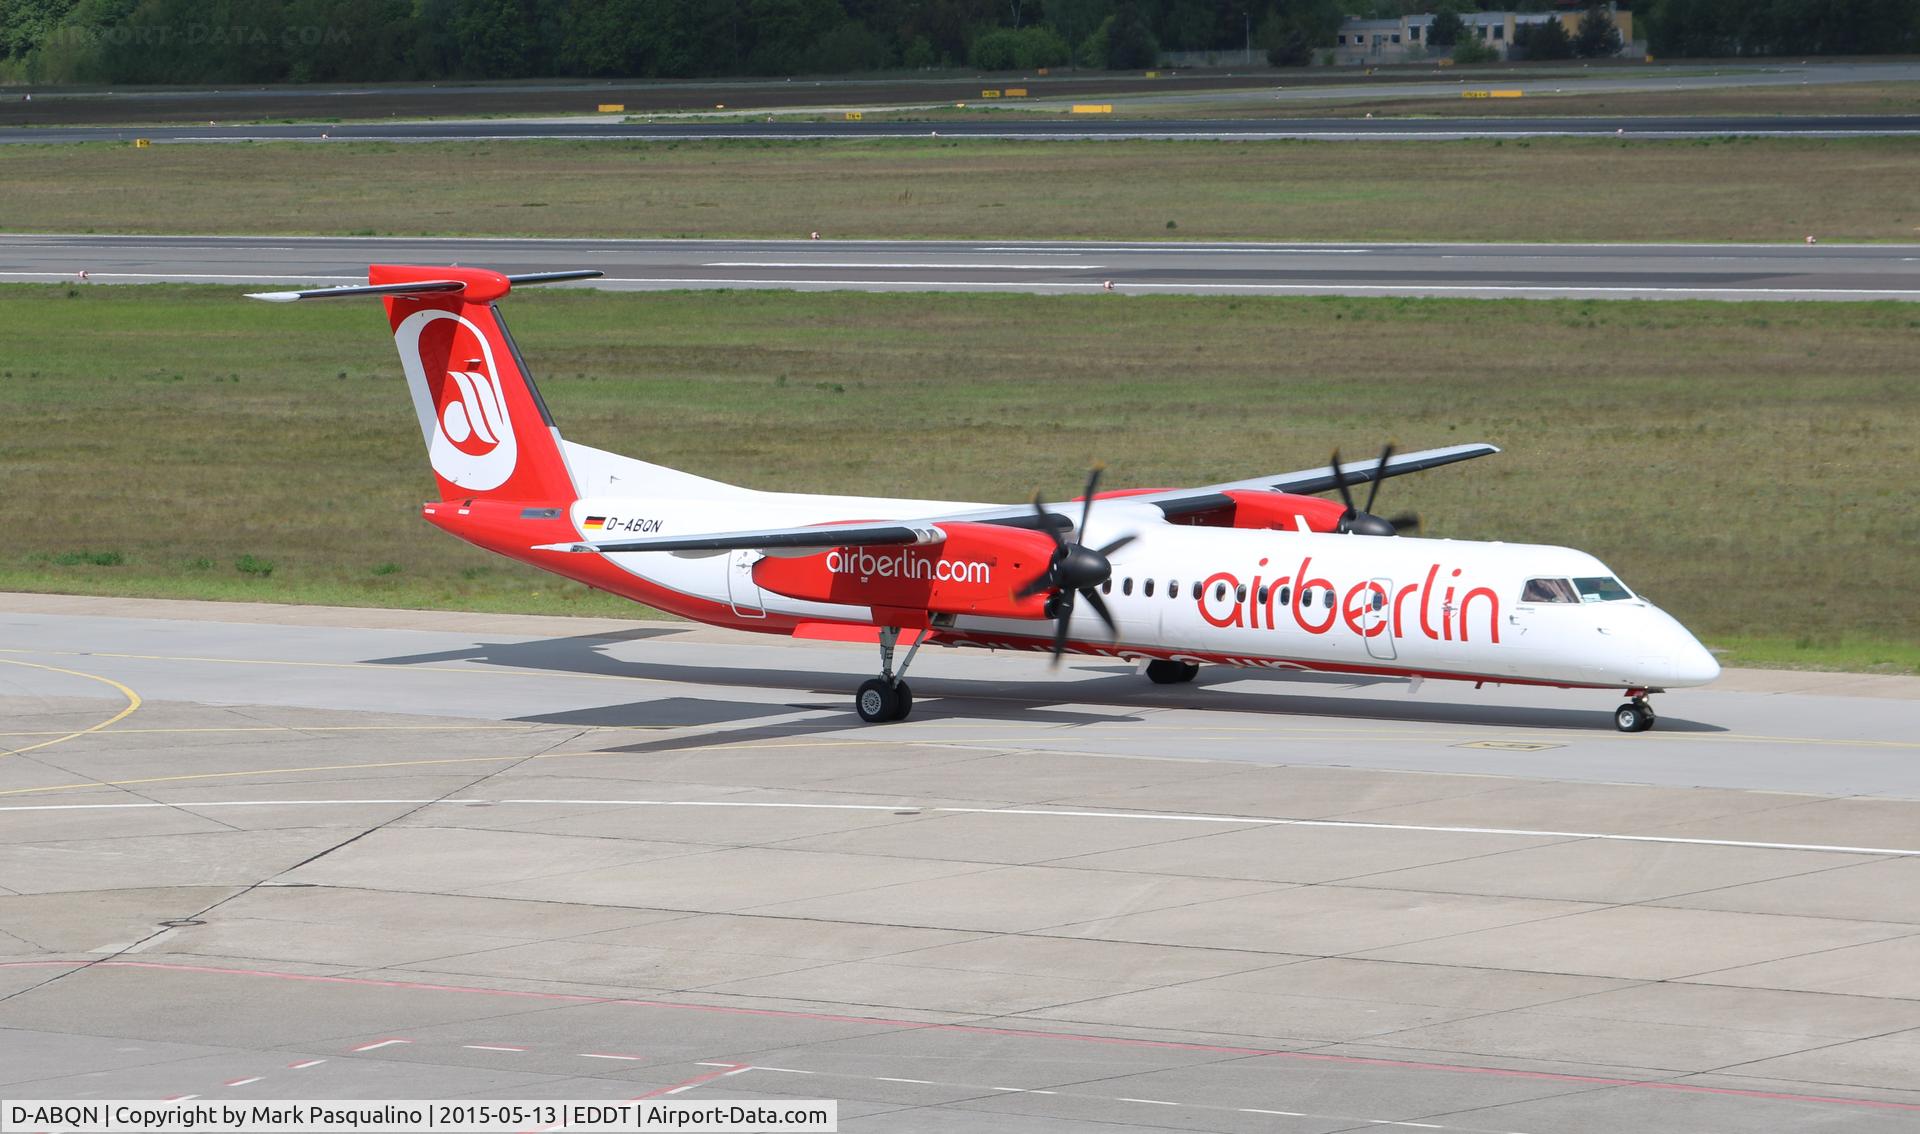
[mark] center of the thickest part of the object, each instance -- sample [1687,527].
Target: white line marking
[378,1044]
[1149,1102]
[304,1066]
[1026,1091]
[1057,813]
[244,1082]
[782,1070]
[179,1098]
[627,1058]
[1257,1110]
[489,1047]
[1351,287]
[892,267]
[891,1079]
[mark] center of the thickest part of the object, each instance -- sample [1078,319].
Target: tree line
[272,41]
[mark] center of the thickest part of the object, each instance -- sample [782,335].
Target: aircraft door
[1375,617]
[743,593]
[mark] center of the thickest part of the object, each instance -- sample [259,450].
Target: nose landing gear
[1634,716]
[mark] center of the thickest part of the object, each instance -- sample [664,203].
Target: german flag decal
[594,524]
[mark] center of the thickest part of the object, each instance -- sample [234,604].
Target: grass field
[1539,190]
[1750,466]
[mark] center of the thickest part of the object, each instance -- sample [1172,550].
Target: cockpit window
[1548,590]
[1601,589]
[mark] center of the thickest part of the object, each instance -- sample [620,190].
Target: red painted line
[305,1065]
[975,1029]
[243,1082]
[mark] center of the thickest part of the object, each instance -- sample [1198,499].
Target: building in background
[1404,40]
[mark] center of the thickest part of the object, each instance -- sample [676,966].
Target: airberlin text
[1440,607]
[906,565]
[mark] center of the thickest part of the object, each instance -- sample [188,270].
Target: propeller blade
[1386,454]
[1086,499]
[1039,584]
[1117,544]
[1099,606]
[1060,628]
[1046,521]
[1340,482]
[1405,522]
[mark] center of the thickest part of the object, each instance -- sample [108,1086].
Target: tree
[1473,49]
[1130,44]
[1446,29]
[1545,40]
[1596,37]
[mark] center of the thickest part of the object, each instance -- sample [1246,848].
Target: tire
[876,702]
[1634,716]
[904,694]
[1163,672]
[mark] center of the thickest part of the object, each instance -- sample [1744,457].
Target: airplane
[1259,573]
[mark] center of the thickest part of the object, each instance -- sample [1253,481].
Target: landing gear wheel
[1634,716]
[1163,672]
[880,701]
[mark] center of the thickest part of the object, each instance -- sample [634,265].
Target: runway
[1606,271]
[270,852]
[1093,127]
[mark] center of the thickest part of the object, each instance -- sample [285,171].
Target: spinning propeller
[1074,568]
[1362,521]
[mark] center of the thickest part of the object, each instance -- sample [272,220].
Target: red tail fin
[488,434]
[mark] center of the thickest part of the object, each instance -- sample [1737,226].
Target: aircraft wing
[1174,502]
[773,541]
[1186,501]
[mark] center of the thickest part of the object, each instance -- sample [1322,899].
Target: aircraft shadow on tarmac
[1033,702]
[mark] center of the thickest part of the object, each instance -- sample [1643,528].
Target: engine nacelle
[975,571]
[1285,511]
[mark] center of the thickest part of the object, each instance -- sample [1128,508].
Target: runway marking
[243,1082]
[378,1044]
[622,1058]
[316,728]
[1039,812]
[966,1029]
[133,703]
[490,1047]
[697,1080]
[303,1066]
[1149,1102]
[892,1079]
[1341,288]
[907,266]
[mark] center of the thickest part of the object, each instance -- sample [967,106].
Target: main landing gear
[1160,671]
[1634,716]
[887,697]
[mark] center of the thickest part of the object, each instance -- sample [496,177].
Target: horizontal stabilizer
[415,287]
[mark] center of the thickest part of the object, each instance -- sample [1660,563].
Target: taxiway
[260,852]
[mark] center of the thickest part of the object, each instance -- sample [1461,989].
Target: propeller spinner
[1362,521]
[1074,569]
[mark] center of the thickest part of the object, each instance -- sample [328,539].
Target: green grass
[1752,467]
[1503,190]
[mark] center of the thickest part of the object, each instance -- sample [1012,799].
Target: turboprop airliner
[1259,573]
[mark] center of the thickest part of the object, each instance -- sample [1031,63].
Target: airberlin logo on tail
[458,398]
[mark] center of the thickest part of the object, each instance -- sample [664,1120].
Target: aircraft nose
[1687,662]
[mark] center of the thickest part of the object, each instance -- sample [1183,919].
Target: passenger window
[1126,586]
[1219,591]
[1286,595]
[1379,599]
[1173,589]
[1240,593]
[1263,595]
[1106,588]
[1548,590]
[1328,600]
[1146,588]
